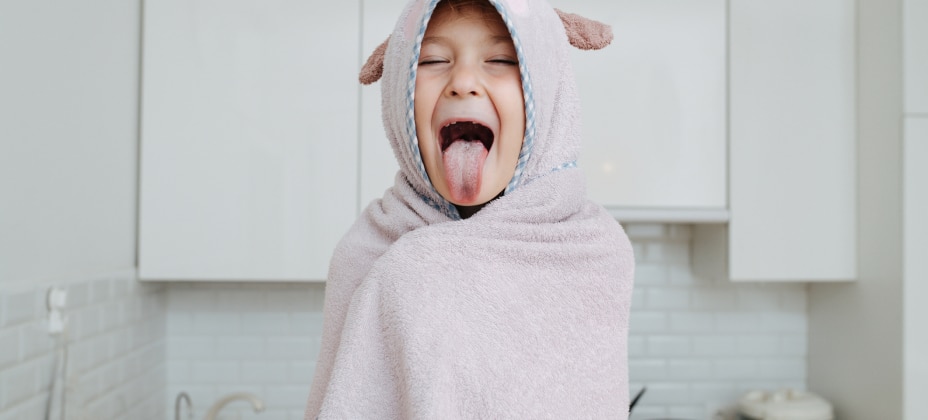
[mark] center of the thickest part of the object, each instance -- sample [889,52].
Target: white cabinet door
[378,164]
[249,138]
[793,187]
[916,56]
[654,104]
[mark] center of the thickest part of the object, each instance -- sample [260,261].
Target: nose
[464,82]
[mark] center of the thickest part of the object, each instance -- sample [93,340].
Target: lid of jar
[785,404]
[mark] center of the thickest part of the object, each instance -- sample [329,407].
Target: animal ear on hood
[583,33]
[373,68]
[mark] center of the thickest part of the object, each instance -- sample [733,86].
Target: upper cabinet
[259,146]
[793,149]
[248,138]
[654,105]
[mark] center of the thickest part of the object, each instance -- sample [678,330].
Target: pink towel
[520,311]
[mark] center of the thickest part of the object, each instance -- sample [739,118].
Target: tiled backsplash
[258,338]
[700,343]
[697,343]
[115,349]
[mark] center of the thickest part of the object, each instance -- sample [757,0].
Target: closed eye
[429,60]
[506,61]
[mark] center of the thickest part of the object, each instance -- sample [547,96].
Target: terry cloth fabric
[521,310]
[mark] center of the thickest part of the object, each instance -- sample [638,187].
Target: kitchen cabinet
[248,138]
[916,56]
[793,183]
[259,147]
[654,108]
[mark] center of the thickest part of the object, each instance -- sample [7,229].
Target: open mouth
[466,131]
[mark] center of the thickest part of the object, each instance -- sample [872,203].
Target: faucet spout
[183,396]
[256,403]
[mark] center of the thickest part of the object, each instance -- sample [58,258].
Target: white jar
[785,404]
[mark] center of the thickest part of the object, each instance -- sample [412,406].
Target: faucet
[181,397]
[256,403]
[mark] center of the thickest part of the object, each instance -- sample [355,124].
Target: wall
[855,329]
[68,129]
[115,351]
[697,343]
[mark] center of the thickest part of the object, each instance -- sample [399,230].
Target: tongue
[463,168]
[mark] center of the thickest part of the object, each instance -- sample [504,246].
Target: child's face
[470,117]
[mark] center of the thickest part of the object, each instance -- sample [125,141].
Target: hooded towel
[521,310]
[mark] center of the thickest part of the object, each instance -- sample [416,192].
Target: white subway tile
[109,316]
[213,372]
[680,275]
[19,383]
[666,393]
[738,322]
[307,323]
[689,370]
[241,300]
[714,298]
[181,298]
[290,348]
[191,348]
[793,345]
[269,414]
[789,368]
[180,323]
[647,370]
[299,299]
[668,346]
[9,347]
[17,308]
[714,346]
[638,251]
[646,412]
[667,298]
[265,372]
[637,346]
[647,322]
[713,393]
[651,275]
[287,396]
[668,252]
[731,369]
[758,345]
[758,299]
[687,411]
[785,322]
[302,372]
[265,323]
[692,322]
[239,348]
[217,323]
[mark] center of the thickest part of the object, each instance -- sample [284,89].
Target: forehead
[479,13]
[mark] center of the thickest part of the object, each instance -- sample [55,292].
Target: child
[483,284]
